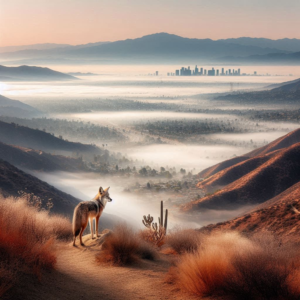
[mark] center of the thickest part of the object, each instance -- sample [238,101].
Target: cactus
[147,221]
[159,229]
[166,221]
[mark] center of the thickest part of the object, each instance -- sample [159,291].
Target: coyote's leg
[81,232]
[97,226]
[91,220]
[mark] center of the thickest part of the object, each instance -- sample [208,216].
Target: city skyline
[79,22]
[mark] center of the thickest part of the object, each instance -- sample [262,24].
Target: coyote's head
[104,195]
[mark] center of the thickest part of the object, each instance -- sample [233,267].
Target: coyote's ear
[106,190]
[101,191]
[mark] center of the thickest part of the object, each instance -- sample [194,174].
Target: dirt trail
[78,276]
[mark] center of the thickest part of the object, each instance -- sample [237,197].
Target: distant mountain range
[164,47]
[45,46]
[265,59]
[253,178]
[290,45]
[29,73]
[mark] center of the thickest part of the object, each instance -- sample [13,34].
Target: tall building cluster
[203,72]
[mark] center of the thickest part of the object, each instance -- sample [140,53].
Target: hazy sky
[25,22]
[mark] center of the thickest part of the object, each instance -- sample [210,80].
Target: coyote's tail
[76,221]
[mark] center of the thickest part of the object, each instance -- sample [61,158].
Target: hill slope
[263,174]
[13,180]
[280,143]
[15,108]
[262,183]
[275,216]
[36,139]
[38,160]
[28,73]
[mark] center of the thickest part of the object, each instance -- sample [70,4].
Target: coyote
[88,211]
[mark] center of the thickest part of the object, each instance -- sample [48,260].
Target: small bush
[239,268]
[27,239]
[187,240]
[152,237]
[124,247]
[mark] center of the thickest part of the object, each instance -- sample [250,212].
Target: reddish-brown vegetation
[187,240]
[228,264]
[27,239]
[123,247]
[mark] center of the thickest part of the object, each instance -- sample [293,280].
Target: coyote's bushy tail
[76,224]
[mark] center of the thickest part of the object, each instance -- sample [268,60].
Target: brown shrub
[239,268]
[123,247]
[27,240]
[152,237]
[187,240]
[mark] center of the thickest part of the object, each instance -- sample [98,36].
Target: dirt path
[77,276]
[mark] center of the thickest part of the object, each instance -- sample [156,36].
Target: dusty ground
[78,276]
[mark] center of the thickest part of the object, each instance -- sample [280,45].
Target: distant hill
[15,108]
[291,45]
[276,85]
[286,92]
[289,87]
[259,176]
[274,216]
[155,47]
[11,133]
[25,158]
[29,73]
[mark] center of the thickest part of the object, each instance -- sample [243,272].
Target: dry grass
[27,240]
[124,247]
[227,264]
[186,240]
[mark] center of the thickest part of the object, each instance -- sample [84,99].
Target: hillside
[25,158]
[282,142]
[259,176]
[11,133]
[258,185]
[285,93]
[275,216]
[13,180]
[29,73]
[15,108]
